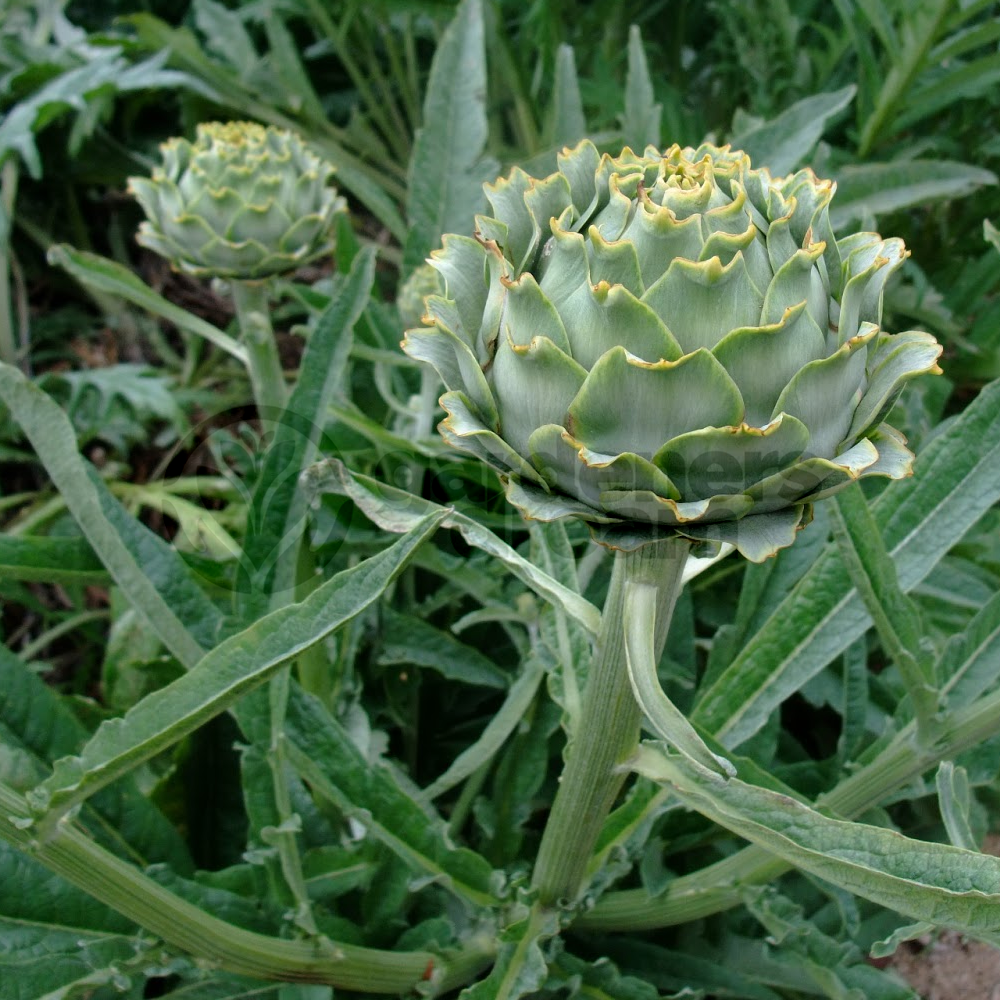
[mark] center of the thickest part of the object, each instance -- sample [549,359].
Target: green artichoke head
[669,343]
[241,201]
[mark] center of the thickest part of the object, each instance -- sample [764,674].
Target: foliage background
[897,101]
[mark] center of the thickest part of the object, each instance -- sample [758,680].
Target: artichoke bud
[242,201]
[669,343]
[411,300]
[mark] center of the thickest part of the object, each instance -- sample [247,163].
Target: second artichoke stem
[608,728]
[267,378]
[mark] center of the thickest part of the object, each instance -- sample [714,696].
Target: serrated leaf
[396,510]
[230,670]
[226,35]
[601,979]
[116,403]
[447,169]
[38,962]
[836,967]
[943,885]
[520,968]
[324,754]
[957,479]
[782,143]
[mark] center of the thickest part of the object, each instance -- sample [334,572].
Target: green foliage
[287,697]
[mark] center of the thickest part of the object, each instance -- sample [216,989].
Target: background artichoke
[672,342]
[242,201]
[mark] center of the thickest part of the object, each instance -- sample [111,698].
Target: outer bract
[672,342]
[242,201]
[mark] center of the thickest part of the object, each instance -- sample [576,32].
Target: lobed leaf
[326,757]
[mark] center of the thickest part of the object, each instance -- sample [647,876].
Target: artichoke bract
[669,343]
[242,201]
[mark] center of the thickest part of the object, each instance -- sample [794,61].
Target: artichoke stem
[71,853]
[8,192]
[608,728]
[267,379]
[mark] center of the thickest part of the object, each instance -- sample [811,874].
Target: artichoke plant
[669,343]
[242,201]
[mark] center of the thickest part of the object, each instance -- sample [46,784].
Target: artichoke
[669,343]
[412,294]
[241,201]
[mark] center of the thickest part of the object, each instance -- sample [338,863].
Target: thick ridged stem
[267,378]
[608,730]
[69,852]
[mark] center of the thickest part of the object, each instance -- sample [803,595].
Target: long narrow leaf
[643,116]
[396,510]
[667,719]
[569,125]
[971,661]
[498,730]
[878,188]
[782,143]
[447,170]
[277,513]
[943,885]
[957,480]
[896,618]
[49,560]
[230,670]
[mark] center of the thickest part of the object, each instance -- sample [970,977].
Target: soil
[950,966]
